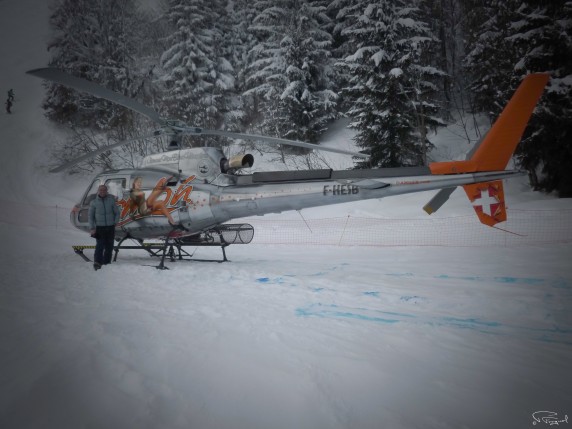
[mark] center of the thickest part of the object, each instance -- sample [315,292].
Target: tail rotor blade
[438,200]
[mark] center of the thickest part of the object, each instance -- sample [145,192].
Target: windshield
[91,193]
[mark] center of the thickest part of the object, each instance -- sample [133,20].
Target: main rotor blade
[83,85]
[274,140]
[96,152]
[63,78]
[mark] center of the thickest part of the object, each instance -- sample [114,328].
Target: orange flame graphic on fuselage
[130,208]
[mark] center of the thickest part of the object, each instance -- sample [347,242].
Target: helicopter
[194,191]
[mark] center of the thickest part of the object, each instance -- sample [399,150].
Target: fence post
[344,230]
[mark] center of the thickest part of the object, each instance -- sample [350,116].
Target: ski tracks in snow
[526,307]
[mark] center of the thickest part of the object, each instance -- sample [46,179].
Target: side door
[198,214]
[115,185]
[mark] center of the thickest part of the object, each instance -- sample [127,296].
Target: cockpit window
[115,187]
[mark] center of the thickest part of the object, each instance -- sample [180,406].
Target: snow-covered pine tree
[291,73]
[524,37]
[101,42]
[92,39]
[391,85]
[239,42]
[444,18]
[262,61]
[542,34]
[340,12]
[490,57]
[196,75]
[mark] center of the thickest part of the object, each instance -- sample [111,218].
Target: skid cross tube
[222,236]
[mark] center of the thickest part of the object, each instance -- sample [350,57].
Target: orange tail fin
[493,154]
[500,142]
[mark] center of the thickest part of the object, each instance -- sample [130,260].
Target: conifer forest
[397,69]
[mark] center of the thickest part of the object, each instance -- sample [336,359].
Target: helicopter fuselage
[199,188]
[199,204]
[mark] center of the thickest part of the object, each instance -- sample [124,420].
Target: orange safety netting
[523,227]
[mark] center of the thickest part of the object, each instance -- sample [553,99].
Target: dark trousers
[104,244]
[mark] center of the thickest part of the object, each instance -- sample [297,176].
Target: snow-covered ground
[281,336]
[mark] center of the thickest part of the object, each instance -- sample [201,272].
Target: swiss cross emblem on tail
[488,201]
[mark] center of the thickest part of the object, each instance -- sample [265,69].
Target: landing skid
[174,246]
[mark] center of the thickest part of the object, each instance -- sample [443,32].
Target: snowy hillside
[280,337]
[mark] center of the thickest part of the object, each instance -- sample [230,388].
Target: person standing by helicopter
[103,215]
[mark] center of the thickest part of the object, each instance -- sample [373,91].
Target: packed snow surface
[280,337]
